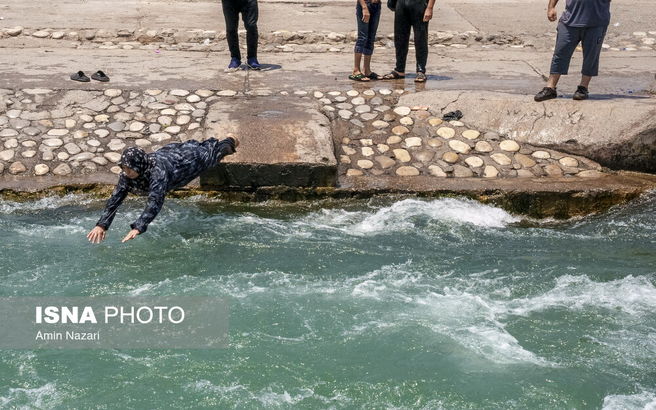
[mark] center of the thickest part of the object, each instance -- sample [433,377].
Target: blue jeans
[367,31]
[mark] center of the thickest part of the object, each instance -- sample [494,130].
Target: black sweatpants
[409,14]
[249,14]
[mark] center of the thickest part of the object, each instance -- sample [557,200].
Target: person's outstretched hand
[131,235]
[96,235]
[552,15]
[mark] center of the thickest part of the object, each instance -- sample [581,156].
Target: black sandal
[80,76]
[100,76]
[373,76]
[393,76]
[359,77]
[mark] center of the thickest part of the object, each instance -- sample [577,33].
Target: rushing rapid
[387,303]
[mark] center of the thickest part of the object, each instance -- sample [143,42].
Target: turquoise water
[389,303]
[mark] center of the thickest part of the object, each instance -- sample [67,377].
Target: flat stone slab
[619,133]
[284,141]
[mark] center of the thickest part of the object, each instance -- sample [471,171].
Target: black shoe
[547,93]
[100,76]
[581,93]
[80,76]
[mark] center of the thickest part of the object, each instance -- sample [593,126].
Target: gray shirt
[586,13]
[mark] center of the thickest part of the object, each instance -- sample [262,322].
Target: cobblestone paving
[65,132]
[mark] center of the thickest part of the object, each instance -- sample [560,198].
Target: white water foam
[643,401]
[400,216]
[45,396]
[52,202]
[632,295]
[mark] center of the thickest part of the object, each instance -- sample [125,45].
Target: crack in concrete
[452,102]
[537,71]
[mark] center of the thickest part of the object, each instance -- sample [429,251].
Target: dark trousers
[591,39]
[409,14]
[367,31]
[249,14]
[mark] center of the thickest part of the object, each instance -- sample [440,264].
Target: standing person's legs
[250,14]
[231,15]
[402,26]
[374,10]
[420,29]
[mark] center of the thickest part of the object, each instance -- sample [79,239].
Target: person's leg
[360,42]
[592,41]
[250,14]
[566,41]
[420,29]
[216,150]
[402,26]
[374,19]
[231,15]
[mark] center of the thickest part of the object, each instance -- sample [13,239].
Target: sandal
[393,76]
[373,76]
[80,76]
[359,77]
[421,78]
[100,76]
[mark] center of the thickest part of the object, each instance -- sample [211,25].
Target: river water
[387,303]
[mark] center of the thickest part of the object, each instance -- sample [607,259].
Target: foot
[235,63]
[421,77]
[547,93]
[253,64]
[358,76]
[394,75]
[581,93]
[234,139]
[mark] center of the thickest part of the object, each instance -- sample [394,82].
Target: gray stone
[101,133]
[435,170]
[116,126]
[112,156]
[28,154]
[385,162]
[41,169]
[53,142]
[459,146]
[159,137]
[501,159]
[401,155]
[116,144]
[11,143]
[7,155]
[83,156]
[424,155]
[62,170]
[8,133]
[17,168]
[462,172]
[72,148]
[407,171]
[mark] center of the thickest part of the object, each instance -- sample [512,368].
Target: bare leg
[585,80]
[553,80]
[356,63]
[367,65]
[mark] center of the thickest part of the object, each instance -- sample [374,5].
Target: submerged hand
[552,14]
[428,15]
[96,235]
[131,235]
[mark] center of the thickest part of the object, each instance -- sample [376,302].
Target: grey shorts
[591,39]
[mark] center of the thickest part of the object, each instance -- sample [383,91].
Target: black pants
[249,12]
[409,14]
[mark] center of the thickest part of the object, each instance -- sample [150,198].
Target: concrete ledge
[617,132]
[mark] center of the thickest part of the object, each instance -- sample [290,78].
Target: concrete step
[283,141]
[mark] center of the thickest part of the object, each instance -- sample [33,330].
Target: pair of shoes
[549,93]
[98,76]
[252,63]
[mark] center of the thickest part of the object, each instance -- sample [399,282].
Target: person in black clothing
[249,13]
[170,167]
[415,15]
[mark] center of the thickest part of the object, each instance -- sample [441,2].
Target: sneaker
[253,64]
[547,93]
[581,93]
[235,63]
